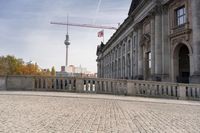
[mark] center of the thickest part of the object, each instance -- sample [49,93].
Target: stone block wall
[19,83]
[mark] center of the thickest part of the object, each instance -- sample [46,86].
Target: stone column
[125,71]
[111,65]
[152,45]
[102,76]
[196,40]
[47,83]
[165,46]
[158,45]
[104,67]
[98,68]
[55,83]
[140,56]
[121,61]
[136,54]
[131,58]
[101,68]
[116,60]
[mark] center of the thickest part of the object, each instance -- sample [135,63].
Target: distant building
[62,74]
[159,40]
[70,69]
[73,71]
[63,69]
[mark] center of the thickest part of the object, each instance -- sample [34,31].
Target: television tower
[67,43]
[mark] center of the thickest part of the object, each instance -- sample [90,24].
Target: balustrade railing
[156,89]
[192,92]
[54,83]
[102,86]
[166,90]
[84,85]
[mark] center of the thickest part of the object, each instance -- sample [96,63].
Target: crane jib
[84,25]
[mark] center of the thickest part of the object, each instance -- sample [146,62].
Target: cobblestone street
[68,112]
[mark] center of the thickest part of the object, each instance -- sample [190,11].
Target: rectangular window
[181,16]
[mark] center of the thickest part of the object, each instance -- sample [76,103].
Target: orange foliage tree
[9,65]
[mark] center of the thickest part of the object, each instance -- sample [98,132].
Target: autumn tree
[53,71]
[10,65]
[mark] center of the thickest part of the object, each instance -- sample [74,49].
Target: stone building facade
[159,40]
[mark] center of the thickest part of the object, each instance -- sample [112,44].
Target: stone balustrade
[54,84]
[82,85]
[102,86]
[165,90]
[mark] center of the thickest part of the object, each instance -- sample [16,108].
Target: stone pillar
[116,62]
[116,68]
[158,45]
[153,46]
[136,54]
[182,92]
[110,64]
[46,83]
[140,56]
[100,68]
[195,78]
[122,61]
[131,59]
[165,46]
[112,69]
[79,85]
[55,83]
[103,67]
[96,86]
[131,89]
[113,64]
[126,68]
[97,69]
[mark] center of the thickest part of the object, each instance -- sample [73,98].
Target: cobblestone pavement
[67,112]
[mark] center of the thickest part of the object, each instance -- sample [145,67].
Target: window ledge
[180,27]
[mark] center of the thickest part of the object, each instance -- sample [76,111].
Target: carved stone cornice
[138,26]
[165,9]
[152,13]
[158,10]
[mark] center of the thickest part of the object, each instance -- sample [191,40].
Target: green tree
[48,72]
[10,65]
[53,71]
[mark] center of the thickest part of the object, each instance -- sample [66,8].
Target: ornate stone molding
[146,38]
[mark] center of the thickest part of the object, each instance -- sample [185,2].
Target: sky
[26,32]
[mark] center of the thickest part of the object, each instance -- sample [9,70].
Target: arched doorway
[182,63]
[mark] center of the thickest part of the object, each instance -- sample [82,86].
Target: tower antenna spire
[67,24]
[67,42]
